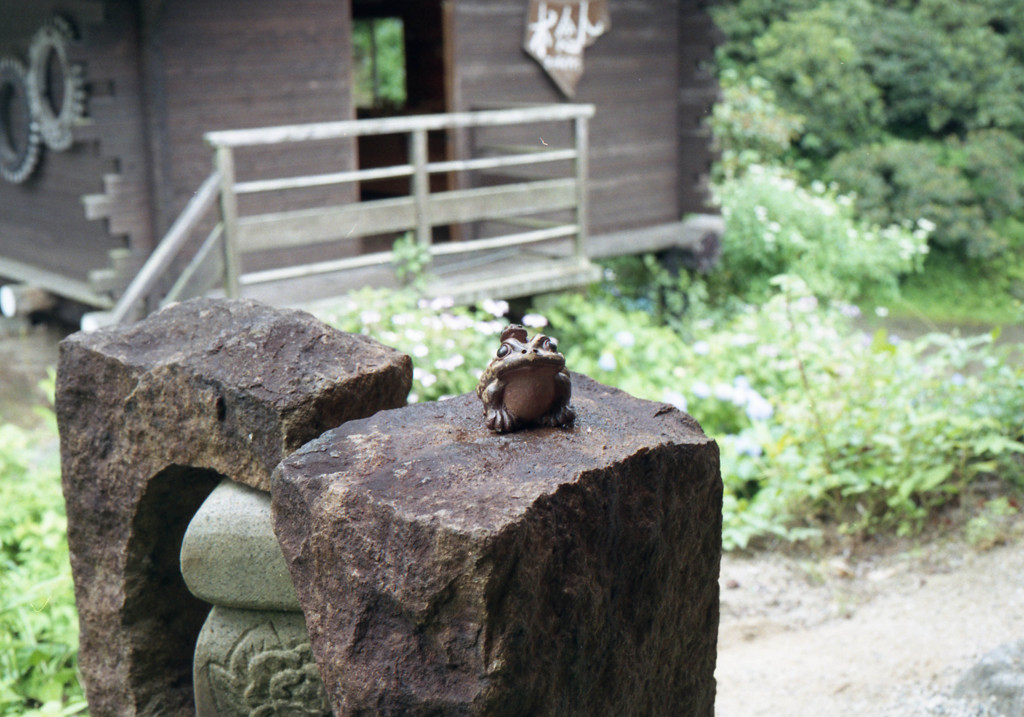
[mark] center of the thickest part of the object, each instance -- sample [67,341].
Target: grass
[951,291]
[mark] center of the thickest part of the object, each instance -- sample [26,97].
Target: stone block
[446,570]
[230,555]
[152,417]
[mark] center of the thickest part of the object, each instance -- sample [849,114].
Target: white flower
[724,392]
[400,319]
[451,363]
[441,303]
[675,398]
[607,362]
[534,321]
[495,308]
[412,398]
[369,317]
[415,335]
[807,304]
[926,225]
[420,350]
[625,339]
[427,379]
[881,312]
[702,348]
[456,322]
[747,446]
[489,327]
[758,407]
[701,389]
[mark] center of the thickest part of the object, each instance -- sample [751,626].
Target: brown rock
[445,570]
[151,417]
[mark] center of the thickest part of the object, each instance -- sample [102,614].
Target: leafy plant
[774,226]
[411,261]
[818,424]
[749,125]
[38,622]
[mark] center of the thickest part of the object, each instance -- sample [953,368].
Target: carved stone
[445,570]
[252,663]
[152,416]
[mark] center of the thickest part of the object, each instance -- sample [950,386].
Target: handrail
[172,243]
[419,211]
[396,125]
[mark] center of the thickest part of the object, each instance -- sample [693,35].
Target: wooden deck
[510,220]
[501,274]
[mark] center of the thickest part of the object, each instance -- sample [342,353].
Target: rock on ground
[152,416]
[446,570]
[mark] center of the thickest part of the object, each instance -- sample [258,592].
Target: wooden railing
[237,235]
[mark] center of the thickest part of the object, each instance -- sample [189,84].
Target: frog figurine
[526,383]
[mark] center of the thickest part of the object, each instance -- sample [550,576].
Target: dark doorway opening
[400,55]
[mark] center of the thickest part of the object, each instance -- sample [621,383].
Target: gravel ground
[884,634]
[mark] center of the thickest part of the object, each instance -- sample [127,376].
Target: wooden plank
[508,240]
[53,282]
[470,205]
[288,229]
[168,249]
[396,125]
[311,226]
[321,180]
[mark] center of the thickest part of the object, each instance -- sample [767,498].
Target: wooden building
[104,105]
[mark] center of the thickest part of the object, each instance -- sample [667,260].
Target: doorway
[400,53]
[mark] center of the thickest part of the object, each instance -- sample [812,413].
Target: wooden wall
[698,91]
[233,64]
[644,145]
[43,221]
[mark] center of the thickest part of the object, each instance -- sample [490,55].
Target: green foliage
[449,344]
[875,435]
[953,290]
[749,126]
[818,424]
[911,68]
[970,189]
[378,51]
[38,622]
[919,99]
[942,68]
[820,73]
[411,261]
[774,226]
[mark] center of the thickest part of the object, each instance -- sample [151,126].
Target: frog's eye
[504,350]
[549,345]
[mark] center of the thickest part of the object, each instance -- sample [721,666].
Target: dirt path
[880,636]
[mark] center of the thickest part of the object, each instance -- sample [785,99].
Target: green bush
[818,424]
[820,73]
[970,189]
[749,126]
[854,69]
[38,622]
[774,226]
[877,434]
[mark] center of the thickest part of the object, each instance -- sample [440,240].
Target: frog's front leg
[496,416]
[561,414]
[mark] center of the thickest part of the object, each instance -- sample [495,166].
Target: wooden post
[229,218]
[582,198]
[420,184]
